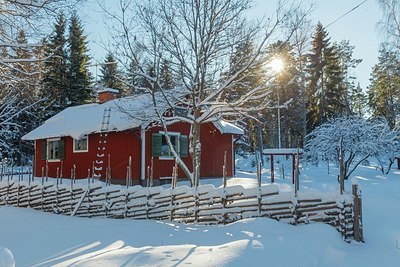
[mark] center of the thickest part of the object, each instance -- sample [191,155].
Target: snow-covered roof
[126,113]
[109,90]
[228,128]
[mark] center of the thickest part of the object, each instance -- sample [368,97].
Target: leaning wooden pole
[357,225]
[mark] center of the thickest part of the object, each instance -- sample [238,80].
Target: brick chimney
[107,94]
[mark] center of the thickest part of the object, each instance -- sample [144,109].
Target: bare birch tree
[198,37]
[390,22]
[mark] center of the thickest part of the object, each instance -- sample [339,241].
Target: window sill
[53,160]
[81,151]
[166,158]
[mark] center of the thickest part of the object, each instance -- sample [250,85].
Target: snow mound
[6,258]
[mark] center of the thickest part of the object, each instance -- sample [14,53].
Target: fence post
[18,191]
[297,172]
[61,171]
[148,176]
[42,196]
[341,167]
[272,169]
[3,167]
[173,186]
[152,172]
[108,171]
[196,205]
[106,200]
[357,224]
[29,194]
[224,200]
[33,166]
[74,169]
[72,191]
[12,169]
[259,189]
[47,170]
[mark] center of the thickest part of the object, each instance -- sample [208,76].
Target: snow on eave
[126,113]
[227,128]
[110,90]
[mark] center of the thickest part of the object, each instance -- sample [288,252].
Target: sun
[277,65]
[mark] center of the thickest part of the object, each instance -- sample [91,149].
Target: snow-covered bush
[357,138]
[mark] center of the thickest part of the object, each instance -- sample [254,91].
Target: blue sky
[359,27]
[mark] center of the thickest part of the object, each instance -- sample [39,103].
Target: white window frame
[48,150]
[178,134]
[81,151]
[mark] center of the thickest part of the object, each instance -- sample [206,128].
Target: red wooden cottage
[108,133]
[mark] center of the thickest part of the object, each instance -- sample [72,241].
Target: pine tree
[384,92]
[55,81]
[326,92]
[78,72]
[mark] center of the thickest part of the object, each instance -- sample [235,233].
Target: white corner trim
[143,154]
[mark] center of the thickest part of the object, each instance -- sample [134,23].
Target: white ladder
[101,149]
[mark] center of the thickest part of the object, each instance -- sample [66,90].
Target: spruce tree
[78,68]
[55,81]
[110,74]
[326,96]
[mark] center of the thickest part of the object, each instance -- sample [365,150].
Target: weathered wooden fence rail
[204,205]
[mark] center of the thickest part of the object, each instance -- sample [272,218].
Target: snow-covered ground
[41,239]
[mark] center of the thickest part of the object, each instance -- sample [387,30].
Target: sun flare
[277,65]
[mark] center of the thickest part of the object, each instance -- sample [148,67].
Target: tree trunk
[195,152]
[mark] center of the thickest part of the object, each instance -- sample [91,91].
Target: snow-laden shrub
[358,139]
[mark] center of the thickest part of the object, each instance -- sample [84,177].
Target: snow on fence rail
[206,205]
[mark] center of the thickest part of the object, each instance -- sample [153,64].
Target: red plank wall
[213,145]
[121,145]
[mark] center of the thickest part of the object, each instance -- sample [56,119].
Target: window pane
[165,150]
[52,148]
[81,144]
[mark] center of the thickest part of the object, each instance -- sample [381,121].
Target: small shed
[102,139]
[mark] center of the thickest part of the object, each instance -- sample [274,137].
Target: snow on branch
[358,138]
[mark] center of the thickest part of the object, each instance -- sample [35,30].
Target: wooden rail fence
[204,205]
